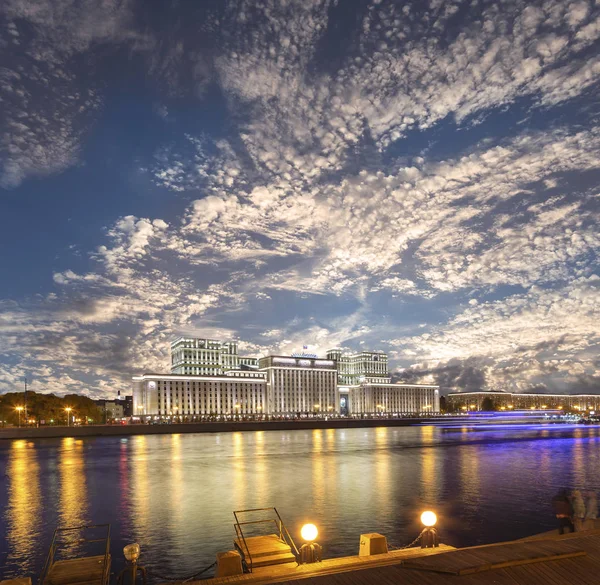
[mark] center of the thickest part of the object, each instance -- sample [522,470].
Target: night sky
[421,178]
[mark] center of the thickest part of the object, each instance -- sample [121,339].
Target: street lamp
[68,410]
[19,409]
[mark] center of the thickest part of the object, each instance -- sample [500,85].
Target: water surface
[174,494]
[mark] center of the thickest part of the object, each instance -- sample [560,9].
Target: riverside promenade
[48,432]
[570,559]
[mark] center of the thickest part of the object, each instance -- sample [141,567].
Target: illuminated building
[300,384]
[179,395]
[469,401]
[208,377]
[111,409]
[357,368]
[196,356]
[394,399]
[365,386]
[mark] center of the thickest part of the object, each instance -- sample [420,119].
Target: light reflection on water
[24,498]
[174,494]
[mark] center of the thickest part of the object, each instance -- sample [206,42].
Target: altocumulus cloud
[334,208]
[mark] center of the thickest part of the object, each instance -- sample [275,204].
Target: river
[175,494]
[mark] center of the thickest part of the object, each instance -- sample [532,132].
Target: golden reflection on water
[261,482]
[24,499]
[177,499]
[140,494]
[73,487]
[318,473]
[382,467]
[430,478]
[240,481]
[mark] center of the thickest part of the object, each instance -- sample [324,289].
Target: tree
[48,408]
[487,405]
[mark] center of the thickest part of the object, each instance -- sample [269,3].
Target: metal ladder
[242,541]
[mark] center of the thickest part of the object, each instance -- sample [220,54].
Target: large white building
[300,384]
[180,395]
[198,356]
[393,399]
[209,378]
[361,367]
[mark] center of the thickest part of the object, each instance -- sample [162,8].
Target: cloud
[543,335]
[474,263]
[48,104]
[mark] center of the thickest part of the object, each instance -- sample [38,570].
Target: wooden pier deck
[267,550]
[549,559]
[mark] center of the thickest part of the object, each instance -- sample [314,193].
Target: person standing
[563,511]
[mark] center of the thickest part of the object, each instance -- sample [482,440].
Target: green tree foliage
[487,404]
[48,407]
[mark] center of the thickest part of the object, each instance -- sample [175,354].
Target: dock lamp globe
[310,551]
[429,536]
[132,554]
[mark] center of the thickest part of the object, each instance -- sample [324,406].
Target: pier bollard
[311,552]
[229,564]
[372,544]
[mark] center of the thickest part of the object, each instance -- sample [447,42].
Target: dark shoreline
[204,427]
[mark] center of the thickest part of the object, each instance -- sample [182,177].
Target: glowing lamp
[132,552]
[309,532]
[428,518]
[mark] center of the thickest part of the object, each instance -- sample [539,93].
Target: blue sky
[421,178]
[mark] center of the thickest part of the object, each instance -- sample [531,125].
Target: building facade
[361,367]
[300,385]
[111,409]
[208,377]
[198,356]
[180,395]
[473,401]
[394,399]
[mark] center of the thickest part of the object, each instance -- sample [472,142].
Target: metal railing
[282,530]
[56,542]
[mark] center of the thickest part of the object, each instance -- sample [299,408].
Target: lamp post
[132,554]
[310,551]
[429,535]
[68,410]
[19,410]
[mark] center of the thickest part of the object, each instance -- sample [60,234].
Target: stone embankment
[205,427]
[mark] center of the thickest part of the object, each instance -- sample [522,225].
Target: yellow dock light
[428,518]
[310,551]
[132,552]
[309,532]
[429,536]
